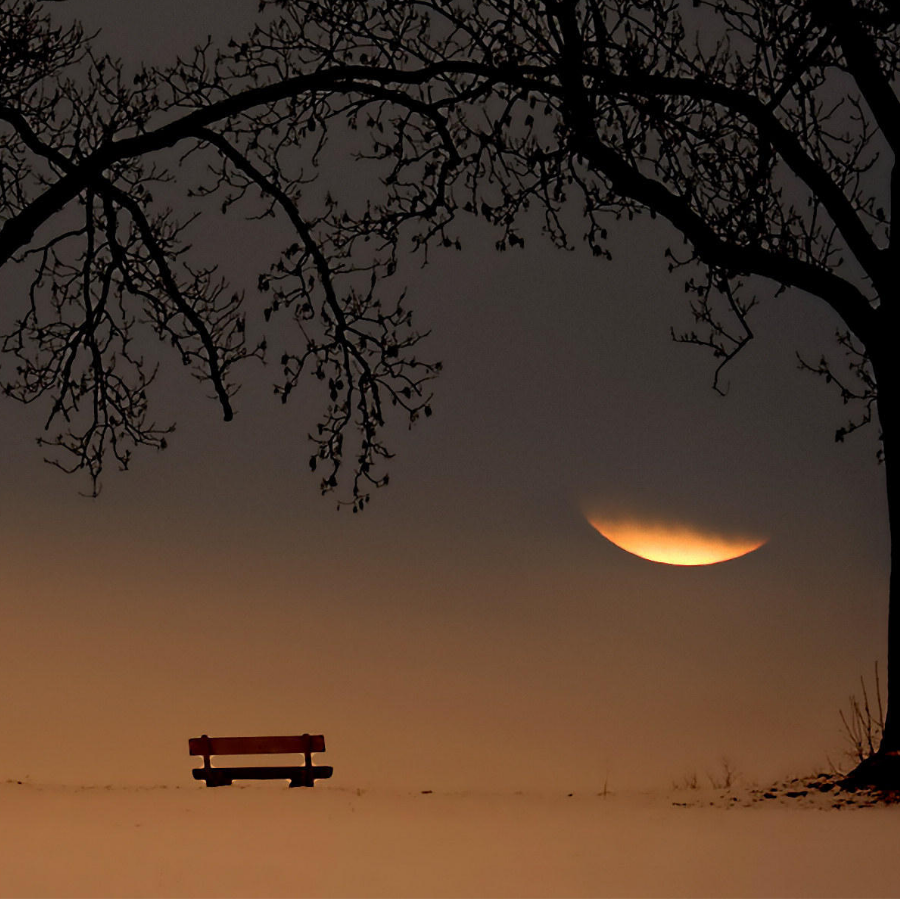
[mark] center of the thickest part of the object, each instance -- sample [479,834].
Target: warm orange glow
[676,545]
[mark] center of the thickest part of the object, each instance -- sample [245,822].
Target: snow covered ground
[254,839]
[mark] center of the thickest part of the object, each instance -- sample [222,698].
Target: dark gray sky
[471,613]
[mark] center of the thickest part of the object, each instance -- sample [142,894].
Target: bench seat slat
[262,772]
[250,746]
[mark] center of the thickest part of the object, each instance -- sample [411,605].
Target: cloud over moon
[674,544]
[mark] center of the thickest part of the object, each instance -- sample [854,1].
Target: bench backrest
[250,746]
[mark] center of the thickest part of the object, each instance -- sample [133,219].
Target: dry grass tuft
[863,723]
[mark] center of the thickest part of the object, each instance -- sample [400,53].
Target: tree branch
[846,299]
[784,142]
[106,188]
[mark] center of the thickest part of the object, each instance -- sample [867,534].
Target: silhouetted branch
[759,142]
[367,357]
[859,368]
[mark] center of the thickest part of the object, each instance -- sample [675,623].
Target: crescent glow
[675,545]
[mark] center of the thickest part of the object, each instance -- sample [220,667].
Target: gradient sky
[470,629]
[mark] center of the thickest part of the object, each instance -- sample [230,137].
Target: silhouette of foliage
[85,151]
[760,138]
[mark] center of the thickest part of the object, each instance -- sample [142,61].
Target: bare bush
[725,777]
[863,724]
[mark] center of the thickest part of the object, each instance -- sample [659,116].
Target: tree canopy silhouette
[764,133]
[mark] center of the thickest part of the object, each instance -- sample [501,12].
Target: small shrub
[688,782]
[863,723]
[726,776]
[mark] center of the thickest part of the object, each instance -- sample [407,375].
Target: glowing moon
[676,545]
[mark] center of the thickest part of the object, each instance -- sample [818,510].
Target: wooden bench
[300,776]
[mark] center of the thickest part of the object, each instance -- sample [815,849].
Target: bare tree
[764,133]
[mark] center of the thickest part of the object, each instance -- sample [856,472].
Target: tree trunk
[883,770]
[886,379]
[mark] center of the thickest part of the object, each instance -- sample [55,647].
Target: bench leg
[217,782]
[305,779]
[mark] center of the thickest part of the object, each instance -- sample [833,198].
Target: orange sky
[468,629]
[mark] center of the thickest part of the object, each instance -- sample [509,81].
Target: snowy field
[266,840]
